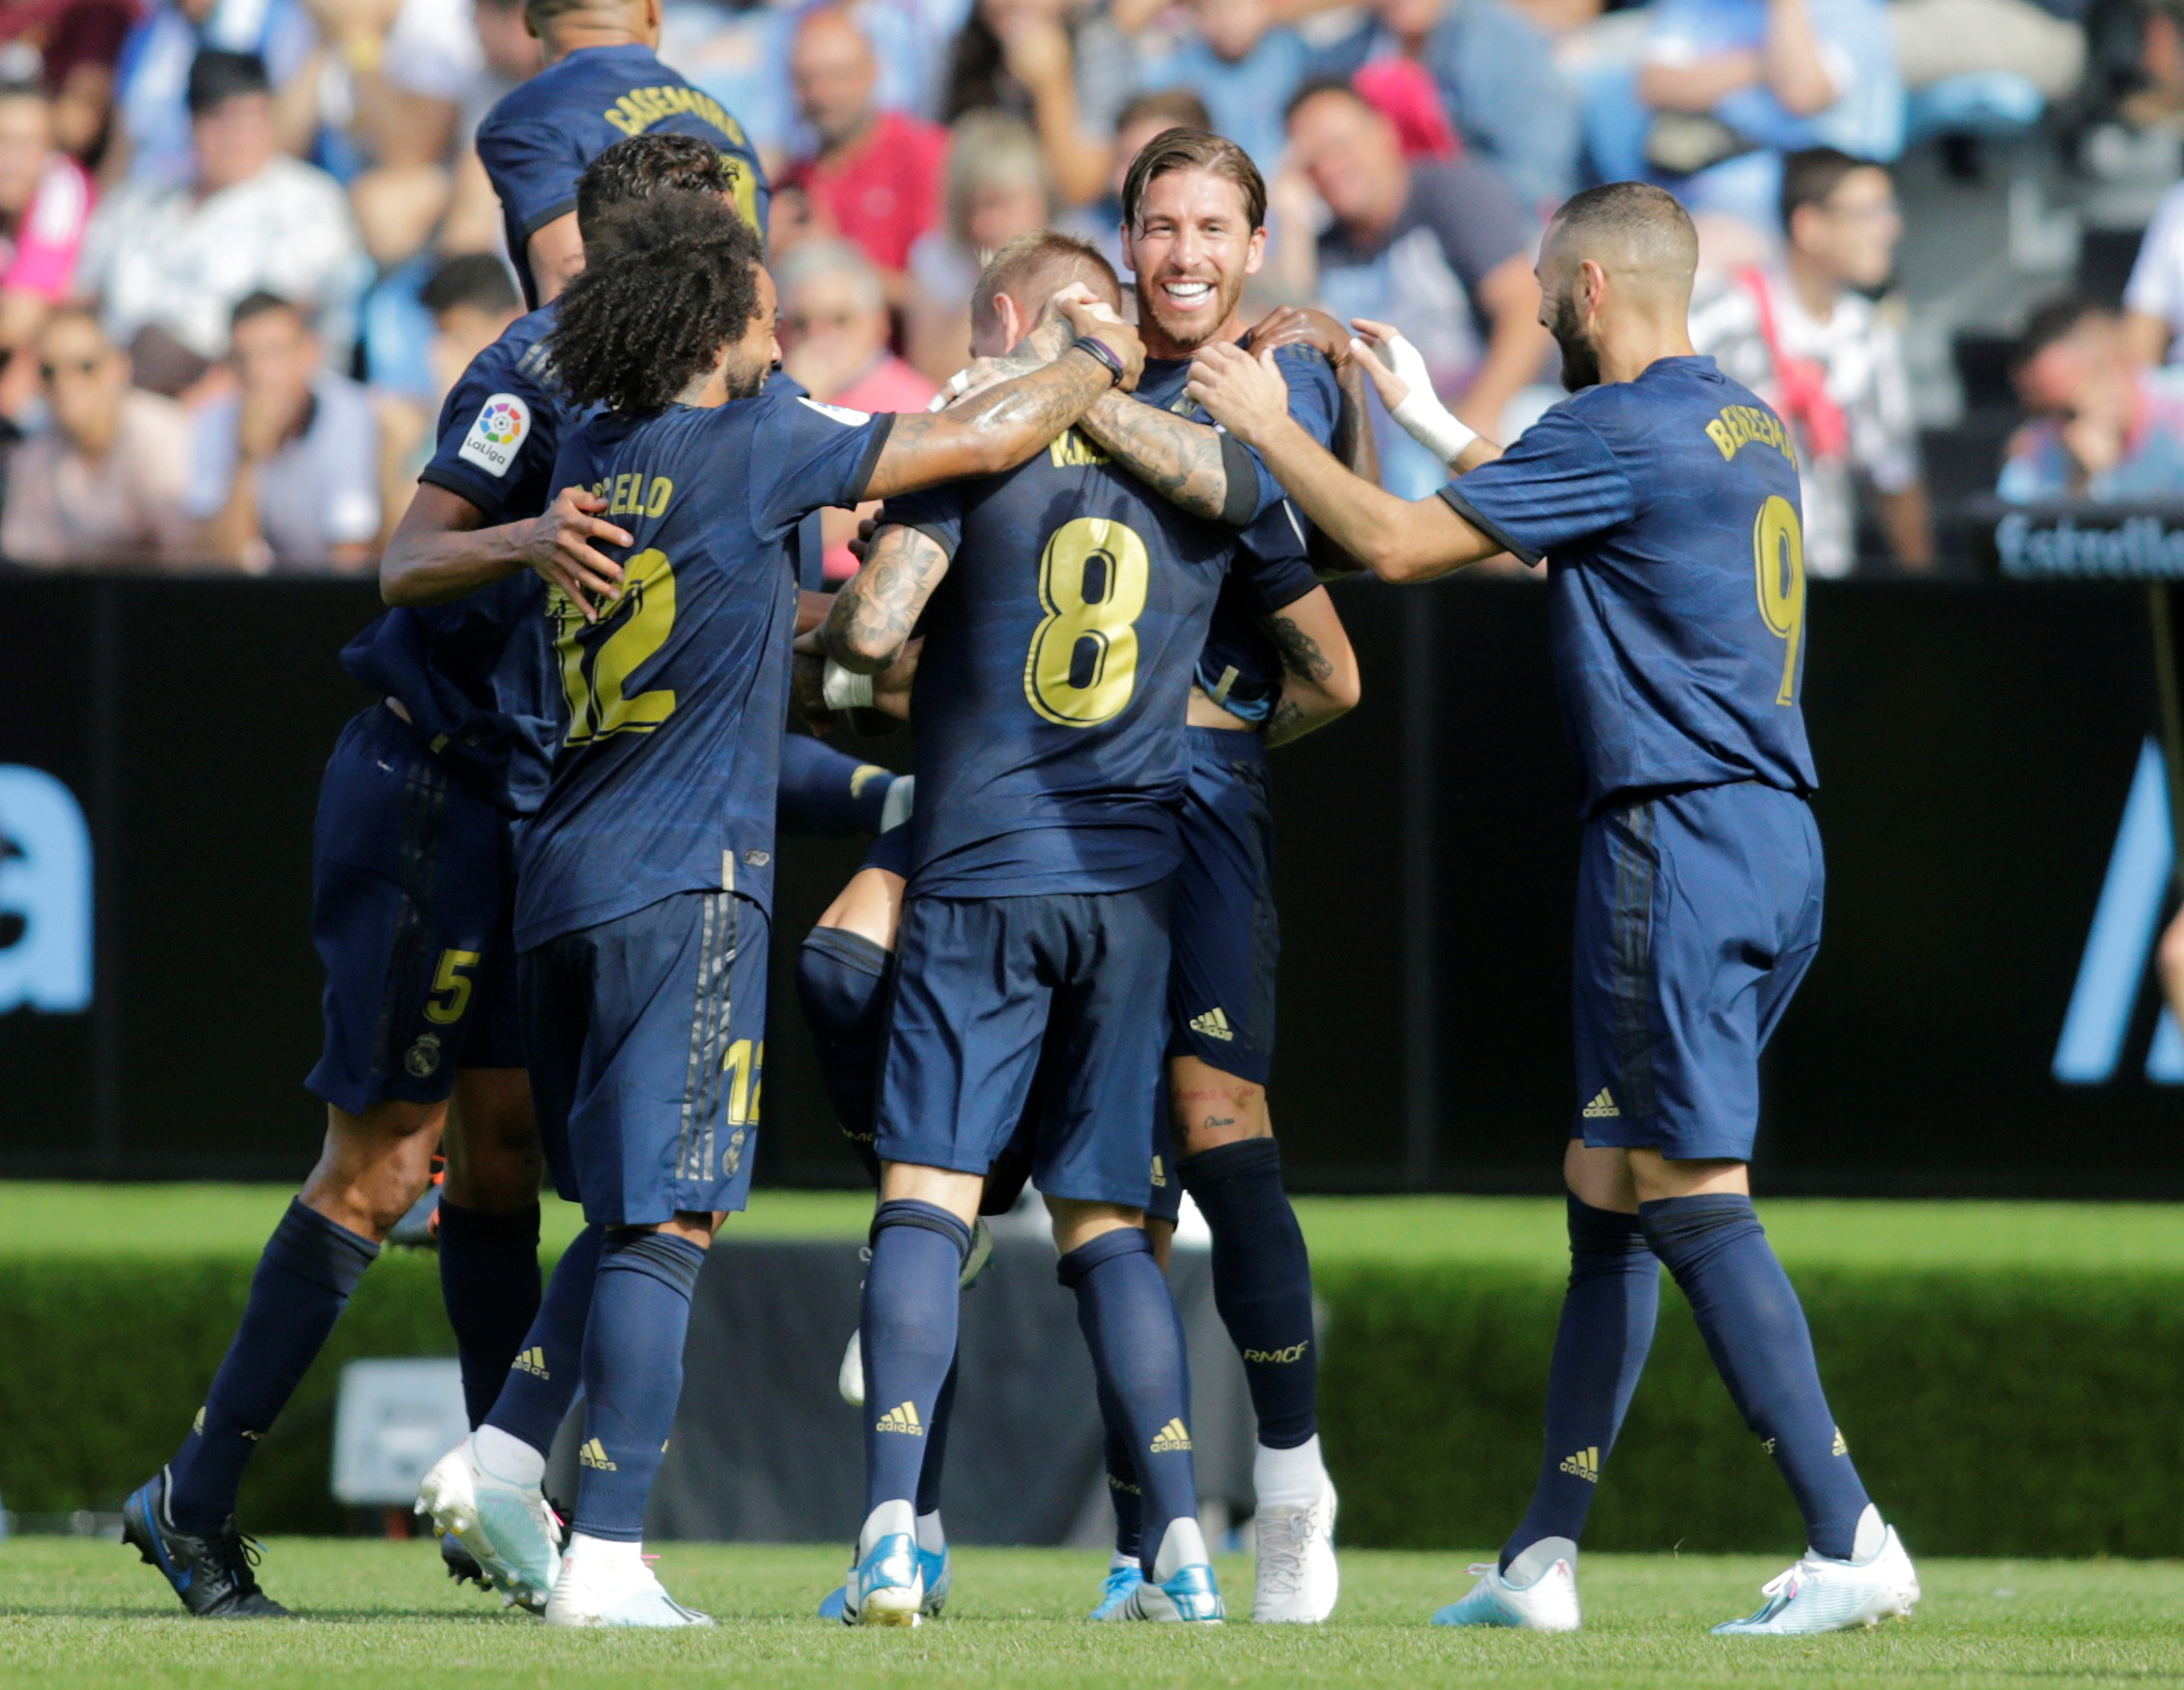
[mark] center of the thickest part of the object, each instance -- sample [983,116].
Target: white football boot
[1822,1594]
[611,1584]
[887,1585]
[850,1380]
[508,1528]
[1298,1579]
[1540,1593]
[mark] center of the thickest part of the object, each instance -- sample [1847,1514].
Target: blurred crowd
[245,246]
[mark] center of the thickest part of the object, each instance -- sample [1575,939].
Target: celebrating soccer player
[1665,497]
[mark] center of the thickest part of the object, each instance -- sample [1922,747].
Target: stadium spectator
[2098,427]
[284,471]
[1496,72]
[70,48]
[1725,87]
[155,138]
[875,176]
[1146,116]
[103,482]
[997,189]
[1240,63]
[508,54]
[172,262]
[45,207]
[1439,248]
[1067,72]
[1803,334]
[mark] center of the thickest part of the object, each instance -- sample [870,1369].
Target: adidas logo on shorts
[1213,1024]
[1172,1439]
[1601,1107]
[1584,1465]
[903,1418]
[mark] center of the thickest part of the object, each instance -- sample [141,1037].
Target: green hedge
[2001,1396]
[1997,1412]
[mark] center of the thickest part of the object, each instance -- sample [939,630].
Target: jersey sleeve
[1314,401]
[497,436]
[936,513]
[534,169]
[1558,484]
[808,456]
[1273,562]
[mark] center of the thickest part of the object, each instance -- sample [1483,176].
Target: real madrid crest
[423,1059]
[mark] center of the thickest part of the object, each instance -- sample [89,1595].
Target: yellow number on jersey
[1777,560]
[1097,638]
[745,1065]
[595,671]
[742,186]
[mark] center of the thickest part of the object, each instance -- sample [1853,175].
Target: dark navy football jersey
[671,705]
[1667,511]
[1051,688]
[536,142]
[1239,668]
[472,673]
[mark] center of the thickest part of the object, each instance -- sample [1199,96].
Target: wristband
[1429,423]
[1105,353]
[844,689]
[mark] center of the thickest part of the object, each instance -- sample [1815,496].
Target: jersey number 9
[1082,666]
[1777,561]
[598,658]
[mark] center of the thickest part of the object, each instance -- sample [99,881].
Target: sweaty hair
[672,280]
[2052,320]
[645,165]
[1037,265]
[1811,176]
[1181,106]
[1174,150]
[1645,227]
[215,76]
[258,304]
[476,279]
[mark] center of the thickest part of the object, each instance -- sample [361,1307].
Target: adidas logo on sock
[901,1418]
[1585,1464]
[1843,1447]
[532,1362]
[1214,1024]
[1601,1107]
[1172,1439]
[594,1455]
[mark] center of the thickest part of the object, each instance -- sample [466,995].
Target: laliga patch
[848,418]
[494,438]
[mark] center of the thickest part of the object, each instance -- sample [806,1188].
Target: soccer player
[644,880]
[1065,605]
[602,83]
[1666,498]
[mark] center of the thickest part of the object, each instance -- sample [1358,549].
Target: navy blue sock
[1262,1283]
[910,1311]
[490,1282]
[309,1267]
[539,1385]
[1755,1326]
[842,979]
[1600,1350]
[825,791]
[1129,1323]
[937,1445]
[1123,1488]
[632,1376]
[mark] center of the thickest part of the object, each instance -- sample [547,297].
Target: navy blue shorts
[1227,940]
[650,1039]
[411,892]
[1698,914]
[992,994]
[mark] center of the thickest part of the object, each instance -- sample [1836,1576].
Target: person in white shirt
[1803,334]
[171,263]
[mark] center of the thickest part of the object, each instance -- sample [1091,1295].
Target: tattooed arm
[1194,467]
[875,612]
[1319,670]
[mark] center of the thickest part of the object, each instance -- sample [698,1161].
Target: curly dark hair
[645,165]
[677,279]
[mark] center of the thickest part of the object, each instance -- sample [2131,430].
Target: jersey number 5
[598,658]
[1082,666]
[1777,561]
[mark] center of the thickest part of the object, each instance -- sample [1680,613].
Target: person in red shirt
[877,177]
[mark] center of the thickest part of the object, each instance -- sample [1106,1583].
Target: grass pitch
[76,1613]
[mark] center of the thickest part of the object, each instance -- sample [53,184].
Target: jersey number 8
[1777,560]
[1082,666]
[599,658]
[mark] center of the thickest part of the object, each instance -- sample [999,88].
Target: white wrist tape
[844,689]
[1429,423]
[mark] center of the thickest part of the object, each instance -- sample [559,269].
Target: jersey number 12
[1082,666]
[599,658]
[1777,561]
